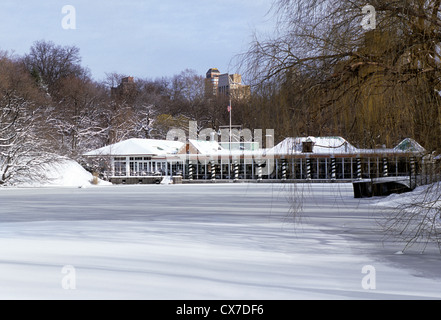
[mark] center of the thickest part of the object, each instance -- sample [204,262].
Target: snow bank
[63,173]
[422,193]
[414,216]
[425,199]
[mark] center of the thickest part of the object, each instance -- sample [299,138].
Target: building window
[120,167]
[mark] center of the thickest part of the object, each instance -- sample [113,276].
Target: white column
[127,166]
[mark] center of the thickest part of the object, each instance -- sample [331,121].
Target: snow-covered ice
[207,241]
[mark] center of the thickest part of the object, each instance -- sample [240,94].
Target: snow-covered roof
[214,148]
[320,145]
[138,147]
[289,146]
[411,145]
[205,147]
[339,145]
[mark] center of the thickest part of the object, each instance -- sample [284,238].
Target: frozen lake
[207,241]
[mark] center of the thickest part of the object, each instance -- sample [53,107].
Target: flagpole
[230,107]
[230,123]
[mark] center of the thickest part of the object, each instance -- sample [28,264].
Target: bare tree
[152,99]
[187,97]
[49,63]
[78,115]
[23,131]
[374,86]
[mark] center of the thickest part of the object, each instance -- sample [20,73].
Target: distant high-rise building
[225,84]
[231,85]
[211,82]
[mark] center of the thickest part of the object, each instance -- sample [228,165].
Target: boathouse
[312,159]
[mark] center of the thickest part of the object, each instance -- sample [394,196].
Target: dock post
[333,170]
[259,171]
[308,169]
[385,170]
[236,171]
[358,169]
[213,171]
[190,171]
[283,169]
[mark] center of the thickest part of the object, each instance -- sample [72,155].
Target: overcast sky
[141,38]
